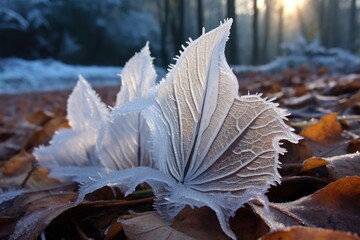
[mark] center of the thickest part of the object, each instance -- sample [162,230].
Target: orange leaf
[113,230]
[313,163]
[18,164]
[305,233]
[40,117]
[45,133]
[336,206]
[325,131]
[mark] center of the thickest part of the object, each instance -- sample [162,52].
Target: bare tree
[353,25]
[267,20]
[164,31]
[280,28]
[333,14]
[255,46]
[232,50]
[200,15]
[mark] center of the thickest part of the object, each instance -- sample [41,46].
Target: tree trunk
[200,15]
[177,24]
[232,50]
[266,30]
[164,33]
[353,26]
[333,20]
[303,27]
[255,46]
[280,29]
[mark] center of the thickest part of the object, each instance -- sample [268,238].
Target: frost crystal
[208,146]
[100,139]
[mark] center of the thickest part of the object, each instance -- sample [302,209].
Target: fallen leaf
[311,163]
[15,139]
[347,84]
[47,131]
[295,187]
[336,206]
[198,223]
[112,231]
[40,117]
[18,164]
[305,233]
[337,166]
[149,225]
[354,146]
[325,131]
[37,209]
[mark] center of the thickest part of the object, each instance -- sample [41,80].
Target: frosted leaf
[10,194]
[76,146]
[137,77]
[120,139]
[127,180]
[96,139]
[220,150]
[85,109]
[69,148]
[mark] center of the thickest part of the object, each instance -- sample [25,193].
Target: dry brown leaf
[19,164]
[306,233]
[199,223]
[113,230]
[336,206]
[15,139]
[45,134]
[354,146]
[325,131]
[312,163]
[40,117]
[37,209]
[149,225]
[338,166]
[295,187]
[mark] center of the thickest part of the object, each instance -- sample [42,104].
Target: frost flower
[99,138]
[208,146]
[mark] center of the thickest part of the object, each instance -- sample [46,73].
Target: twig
[117,203]
[35,165]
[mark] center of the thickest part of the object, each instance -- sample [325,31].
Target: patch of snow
[19,75]
[311,55]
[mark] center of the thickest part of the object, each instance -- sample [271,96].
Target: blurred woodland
[108,32]
[304,53]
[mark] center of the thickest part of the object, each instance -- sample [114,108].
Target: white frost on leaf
[210,146]
[120,139]
[138,77]
[76,146]
[10,194]
[100,140]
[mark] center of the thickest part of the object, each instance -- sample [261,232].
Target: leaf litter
[324,162]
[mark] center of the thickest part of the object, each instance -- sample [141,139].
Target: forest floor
[320,175]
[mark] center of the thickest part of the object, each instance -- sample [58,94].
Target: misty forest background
[108,32]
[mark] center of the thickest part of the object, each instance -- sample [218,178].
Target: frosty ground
[19,75]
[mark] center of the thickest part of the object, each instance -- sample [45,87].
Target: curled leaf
[211,147]
[335,206]
[308,233]
[338,166]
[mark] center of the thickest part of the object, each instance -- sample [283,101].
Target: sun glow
[290,6]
